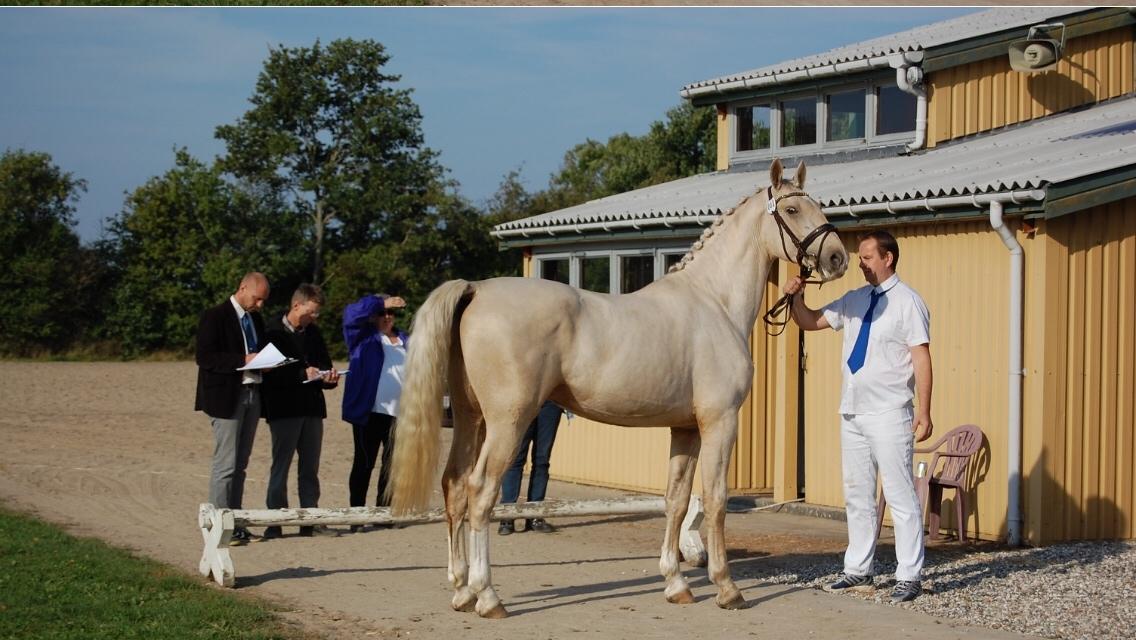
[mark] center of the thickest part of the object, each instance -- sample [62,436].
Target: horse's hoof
[734,602]
[682,597]
[464,600]
[496,612]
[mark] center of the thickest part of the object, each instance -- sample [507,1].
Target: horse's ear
[775,173]
[800,177]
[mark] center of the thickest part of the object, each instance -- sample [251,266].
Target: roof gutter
[800,75]
[978,201]
[555,229]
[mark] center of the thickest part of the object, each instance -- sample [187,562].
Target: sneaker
[321,530]
[240,537]
[906,590]
[849,582]
[272,533]
[506,528]
[538,525]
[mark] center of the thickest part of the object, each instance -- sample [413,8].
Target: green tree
[682,145]
[182,243]
[329,132]
[45,269]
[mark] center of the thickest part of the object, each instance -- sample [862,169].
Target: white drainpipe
[1014,424]
[909,78]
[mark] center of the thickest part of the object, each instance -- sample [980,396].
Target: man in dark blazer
[229,335]
[294,404]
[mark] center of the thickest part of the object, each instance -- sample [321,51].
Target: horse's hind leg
[468,432]
[684,456]
[719,436]
[484,486]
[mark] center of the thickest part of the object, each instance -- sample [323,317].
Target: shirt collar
[289,327]
[886,285]
[236,305]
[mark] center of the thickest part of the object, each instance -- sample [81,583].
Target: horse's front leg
[719,437]
[684,457]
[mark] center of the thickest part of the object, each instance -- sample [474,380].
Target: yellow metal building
[1053,150]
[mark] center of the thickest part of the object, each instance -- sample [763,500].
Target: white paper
[268,358]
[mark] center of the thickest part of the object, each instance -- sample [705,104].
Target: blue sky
[110,92]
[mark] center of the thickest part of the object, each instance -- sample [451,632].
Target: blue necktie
[860,349]
[250,335]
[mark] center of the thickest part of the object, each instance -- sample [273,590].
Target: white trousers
[882,442]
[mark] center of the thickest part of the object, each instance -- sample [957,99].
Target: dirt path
[113,450]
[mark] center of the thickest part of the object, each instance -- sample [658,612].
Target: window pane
[637,272]
[670,260]
[895,111]
[846,115]
[554,270]
[595,274]
[753,127]
[798,122]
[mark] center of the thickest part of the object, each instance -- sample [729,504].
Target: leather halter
[807,261]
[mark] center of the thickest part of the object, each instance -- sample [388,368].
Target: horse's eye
[790,210]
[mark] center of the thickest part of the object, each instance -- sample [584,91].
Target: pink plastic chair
[947,470]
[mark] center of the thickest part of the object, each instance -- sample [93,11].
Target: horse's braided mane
[706,234]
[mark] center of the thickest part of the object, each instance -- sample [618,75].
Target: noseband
[807,261]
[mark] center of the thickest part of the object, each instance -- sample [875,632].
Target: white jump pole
[217,525]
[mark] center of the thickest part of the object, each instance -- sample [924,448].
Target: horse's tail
[417,433]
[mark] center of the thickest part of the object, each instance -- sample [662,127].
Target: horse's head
[796,229]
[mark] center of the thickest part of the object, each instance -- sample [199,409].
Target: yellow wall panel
[1093,485]
[984,95]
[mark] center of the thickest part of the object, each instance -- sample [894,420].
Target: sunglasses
[389,312]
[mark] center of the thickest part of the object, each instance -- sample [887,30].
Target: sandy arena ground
[114,450]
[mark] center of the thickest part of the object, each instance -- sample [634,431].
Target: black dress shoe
[271,533]
[506,528]
[538,525]
[318,530]
[241,537]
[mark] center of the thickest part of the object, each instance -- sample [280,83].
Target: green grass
[54,586]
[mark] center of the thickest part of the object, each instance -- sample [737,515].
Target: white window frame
[617,256]
[871,111]
[576,258]
[539,259]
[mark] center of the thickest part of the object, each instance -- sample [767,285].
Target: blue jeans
[541,434]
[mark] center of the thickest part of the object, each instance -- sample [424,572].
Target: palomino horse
[675,354]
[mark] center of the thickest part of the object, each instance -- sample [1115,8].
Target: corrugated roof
[1051,150]
[918,39]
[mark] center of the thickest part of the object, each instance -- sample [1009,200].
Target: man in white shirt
[886,362]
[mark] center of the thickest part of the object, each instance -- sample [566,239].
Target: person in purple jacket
[377,352]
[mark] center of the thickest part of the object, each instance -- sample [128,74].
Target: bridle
[807,261]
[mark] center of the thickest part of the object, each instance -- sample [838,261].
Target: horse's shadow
[303,572]
[746,569]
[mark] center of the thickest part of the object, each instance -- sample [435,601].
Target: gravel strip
[1073,591]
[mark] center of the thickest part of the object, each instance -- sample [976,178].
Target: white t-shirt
[390,381]
[900,321]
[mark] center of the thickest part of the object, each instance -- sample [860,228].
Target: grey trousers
[232,446]
[292,436]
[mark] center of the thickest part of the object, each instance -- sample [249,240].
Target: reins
[807,261]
